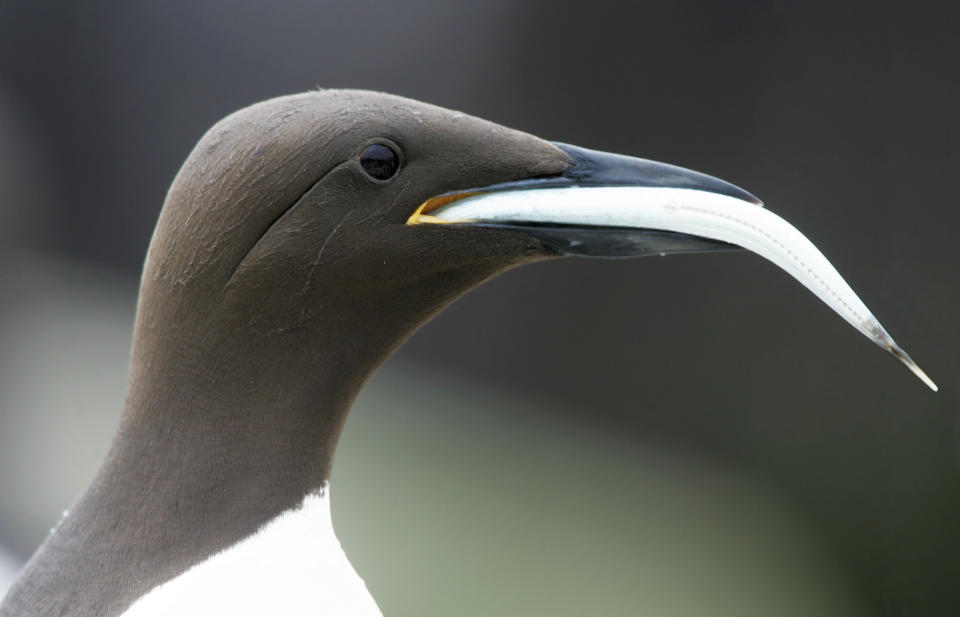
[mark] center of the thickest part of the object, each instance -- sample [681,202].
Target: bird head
[352,217]
[295,211]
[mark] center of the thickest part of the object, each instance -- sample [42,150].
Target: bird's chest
[293,566]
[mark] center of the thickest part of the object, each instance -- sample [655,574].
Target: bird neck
[211,447]
[232,418]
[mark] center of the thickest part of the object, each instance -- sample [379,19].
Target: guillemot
[304,239]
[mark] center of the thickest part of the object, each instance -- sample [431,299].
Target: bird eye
[379,161]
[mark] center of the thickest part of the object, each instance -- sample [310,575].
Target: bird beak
[588,231]
[609,205]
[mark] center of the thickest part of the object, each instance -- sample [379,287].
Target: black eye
[380,161]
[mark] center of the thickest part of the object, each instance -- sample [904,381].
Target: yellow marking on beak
[420,214]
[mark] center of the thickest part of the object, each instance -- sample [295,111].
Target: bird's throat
[204,457]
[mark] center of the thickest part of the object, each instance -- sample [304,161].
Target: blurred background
[694,435]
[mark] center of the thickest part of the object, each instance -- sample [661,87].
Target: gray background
[745,449]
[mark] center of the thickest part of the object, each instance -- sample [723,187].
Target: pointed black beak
[593,168]
[597,168]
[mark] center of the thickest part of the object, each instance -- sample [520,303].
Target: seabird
[303,240]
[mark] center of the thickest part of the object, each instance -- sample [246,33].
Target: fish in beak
[615,206]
